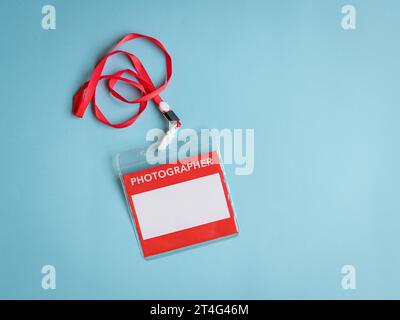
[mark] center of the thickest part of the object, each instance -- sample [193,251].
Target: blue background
[324,103]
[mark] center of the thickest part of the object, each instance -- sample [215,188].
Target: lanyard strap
[87,92]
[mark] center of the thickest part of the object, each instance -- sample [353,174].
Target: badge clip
[174,124]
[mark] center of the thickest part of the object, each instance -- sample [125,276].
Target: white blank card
[180,206]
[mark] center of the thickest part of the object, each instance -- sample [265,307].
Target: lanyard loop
[87,92]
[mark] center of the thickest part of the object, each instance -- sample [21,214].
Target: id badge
[177,199]
[181,204]
[180,201]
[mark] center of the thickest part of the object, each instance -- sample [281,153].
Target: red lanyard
[87,93]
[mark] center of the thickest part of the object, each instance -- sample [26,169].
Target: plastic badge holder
[178,196]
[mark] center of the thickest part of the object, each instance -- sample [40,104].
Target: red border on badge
[187,237]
